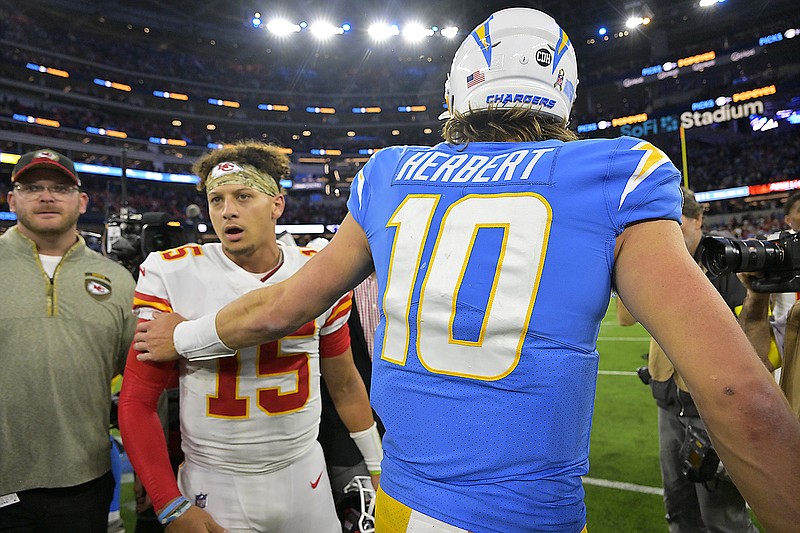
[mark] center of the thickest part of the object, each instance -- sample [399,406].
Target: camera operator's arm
[624,317]
[749,421]
[754,319]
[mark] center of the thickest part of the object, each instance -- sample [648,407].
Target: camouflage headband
[243,174]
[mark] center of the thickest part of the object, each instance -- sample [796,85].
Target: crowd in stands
[747,159]
[245,64]
[106,199]
[755,159]
[758,225]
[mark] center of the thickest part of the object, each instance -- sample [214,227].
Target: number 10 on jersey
[510,233]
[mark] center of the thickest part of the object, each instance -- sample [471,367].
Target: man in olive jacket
[65,328]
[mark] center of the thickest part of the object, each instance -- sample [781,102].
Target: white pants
[294,499]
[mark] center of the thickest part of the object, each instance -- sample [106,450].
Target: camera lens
[722,255]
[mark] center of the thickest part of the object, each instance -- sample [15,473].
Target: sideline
[630,487]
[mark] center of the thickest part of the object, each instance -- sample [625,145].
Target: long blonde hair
[515,124]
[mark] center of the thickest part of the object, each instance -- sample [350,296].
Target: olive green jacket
[61,343]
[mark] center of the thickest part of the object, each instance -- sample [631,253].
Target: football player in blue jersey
[496,252]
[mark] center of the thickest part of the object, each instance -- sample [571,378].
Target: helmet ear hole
[517,57]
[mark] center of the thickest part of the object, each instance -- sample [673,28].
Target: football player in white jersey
[249,422]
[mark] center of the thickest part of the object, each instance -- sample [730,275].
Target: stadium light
[381,32]
[282,27]
[707,3]
[273,107]
[113,85]
[416,32]
[633,22]
[449,32]
[602,31]
[324,29]
[48,70]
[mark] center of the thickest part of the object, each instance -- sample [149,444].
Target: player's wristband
[173,510]
[197,340]
[369,444]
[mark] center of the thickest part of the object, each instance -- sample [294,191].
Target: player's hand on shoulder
[153,339]
[195,520]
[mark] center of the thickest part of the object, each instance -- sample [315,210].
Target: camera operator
[783,301]
[714,504]
[774,290]
[774,337]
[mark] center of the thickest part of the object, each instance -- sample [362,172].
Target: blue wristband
[173,510]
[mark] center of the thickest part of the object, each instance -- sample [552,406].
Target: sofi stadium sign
[653,126]
[726,113]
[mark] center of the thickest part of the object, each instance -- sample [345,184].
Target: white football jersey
[257,411]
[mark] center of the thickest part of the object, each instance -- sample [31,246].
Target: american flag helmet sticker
[475,78]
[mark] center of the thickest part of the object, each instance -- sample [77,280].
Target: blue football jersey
[494,264]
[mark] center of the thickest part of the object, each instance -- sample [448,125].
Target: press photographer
[776,339]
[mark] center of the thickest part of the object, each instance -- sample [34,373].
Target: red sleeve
[335,343]
[140,427]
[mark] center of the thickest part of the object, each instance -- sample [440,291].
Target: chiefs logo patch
[44,154]
[225,168]
[97,285]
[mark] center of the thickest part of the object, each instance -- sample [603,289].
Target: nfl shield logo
[201,500]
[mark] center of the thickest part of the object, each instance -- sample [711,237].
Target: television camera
[129,237]
[777,258]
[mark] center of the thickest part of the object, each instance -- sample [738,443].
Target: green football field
[623,488]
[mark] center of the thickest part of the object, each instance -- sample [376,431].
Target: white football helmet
[518,56]
[356,508]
